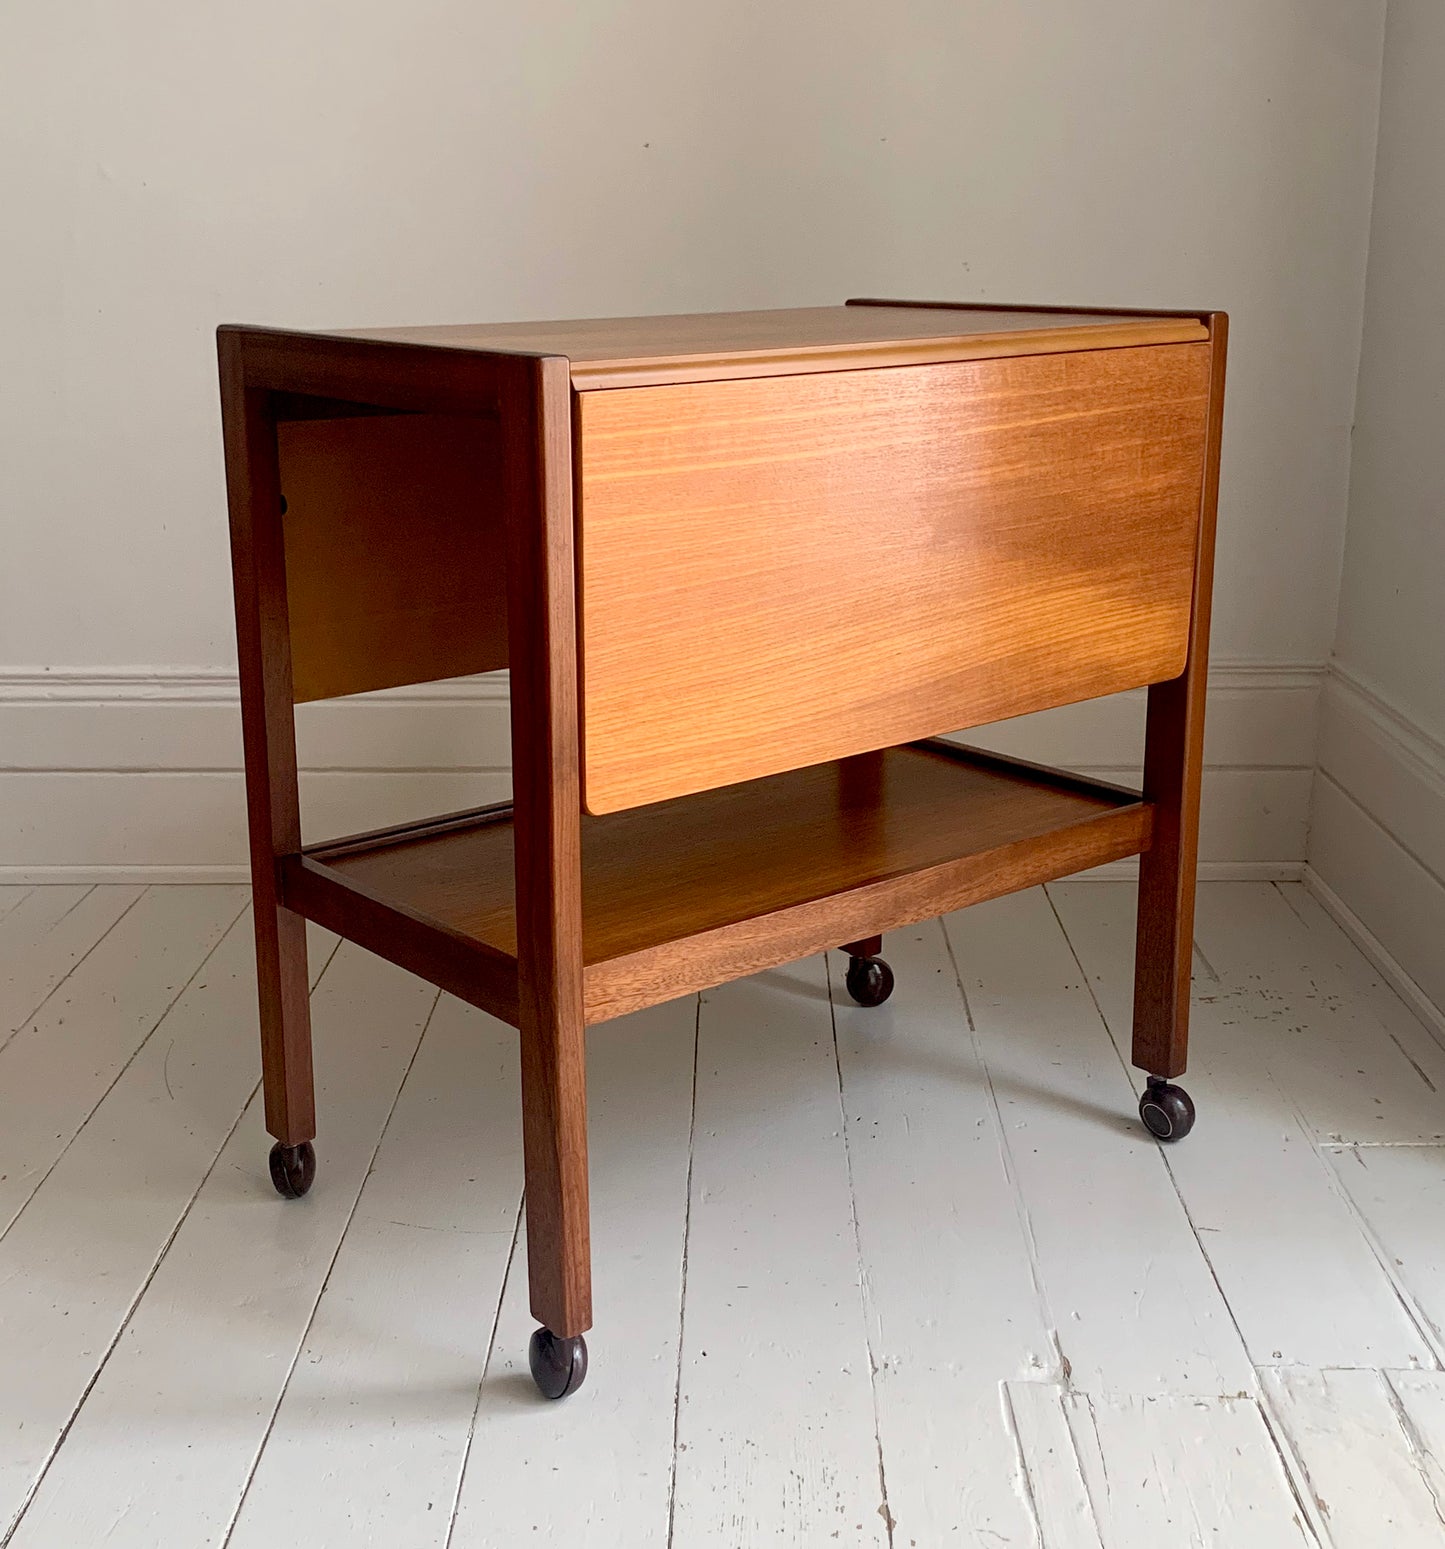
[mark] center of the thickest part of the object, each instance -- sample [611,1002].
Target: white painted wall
[1378,838]
[1392,621]
[170,166]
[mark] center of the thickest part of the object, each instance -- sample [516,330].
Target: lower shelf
[689,893]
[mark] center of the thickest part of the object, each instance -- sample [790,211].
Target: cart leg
[554,1138]
[258,567]
[1173,763]
[869,979]
[285,1007]
[1165,940]
[546,827]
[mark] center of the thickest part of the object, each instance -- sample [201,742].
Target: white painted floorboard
[1300,1279]
[535,1476]
[76,1258]
[60,1064]
[777,1428]
[950,1282]
[165,1441]
[43,934]
[1048,1466]
[909,1276]
[1400,1194]
[1131,1296]
[380,1402]
[1356,1440]
[1189,1472]
[1351,1076]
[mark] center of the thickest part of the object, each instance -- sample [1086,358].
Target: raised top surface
[636,351]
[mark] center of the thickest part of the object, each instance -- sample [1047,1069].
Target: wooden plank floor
[902,1277]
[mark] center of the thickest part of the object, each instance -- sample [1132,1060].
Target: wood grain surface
[268,735]
[615,352]
[699,890]
[1173,772]
[395,550]
[541,625]
[776,572]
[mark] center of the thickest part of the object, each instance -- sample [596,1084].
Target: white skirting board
[1377,838]
[111,776]
[1385,961]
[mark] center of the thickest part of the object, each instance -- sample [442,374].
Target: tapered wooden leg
[554,1140]
[1173,763]
[1164,952]
[263,645]
[1165,938]
[546,826]
[285,1008]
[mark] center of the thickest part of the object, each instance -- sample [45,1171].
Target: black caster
[870,980]
[293,1169]
[558,1365]
[1166,1109]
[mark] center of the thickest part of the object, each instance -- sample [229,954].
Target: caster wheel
[1167,1111]
[870,980]
[293,1169]
[558,1365]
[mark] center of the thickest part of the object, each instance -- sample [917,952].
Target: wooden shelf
[688,893]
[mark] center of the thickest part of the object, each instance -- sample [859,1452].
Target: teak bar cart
[744,570]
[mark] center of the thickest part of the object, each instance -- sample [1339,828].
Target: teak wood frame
[545,988]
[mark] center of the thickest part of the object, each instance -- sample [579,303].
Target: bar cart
[746,571]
